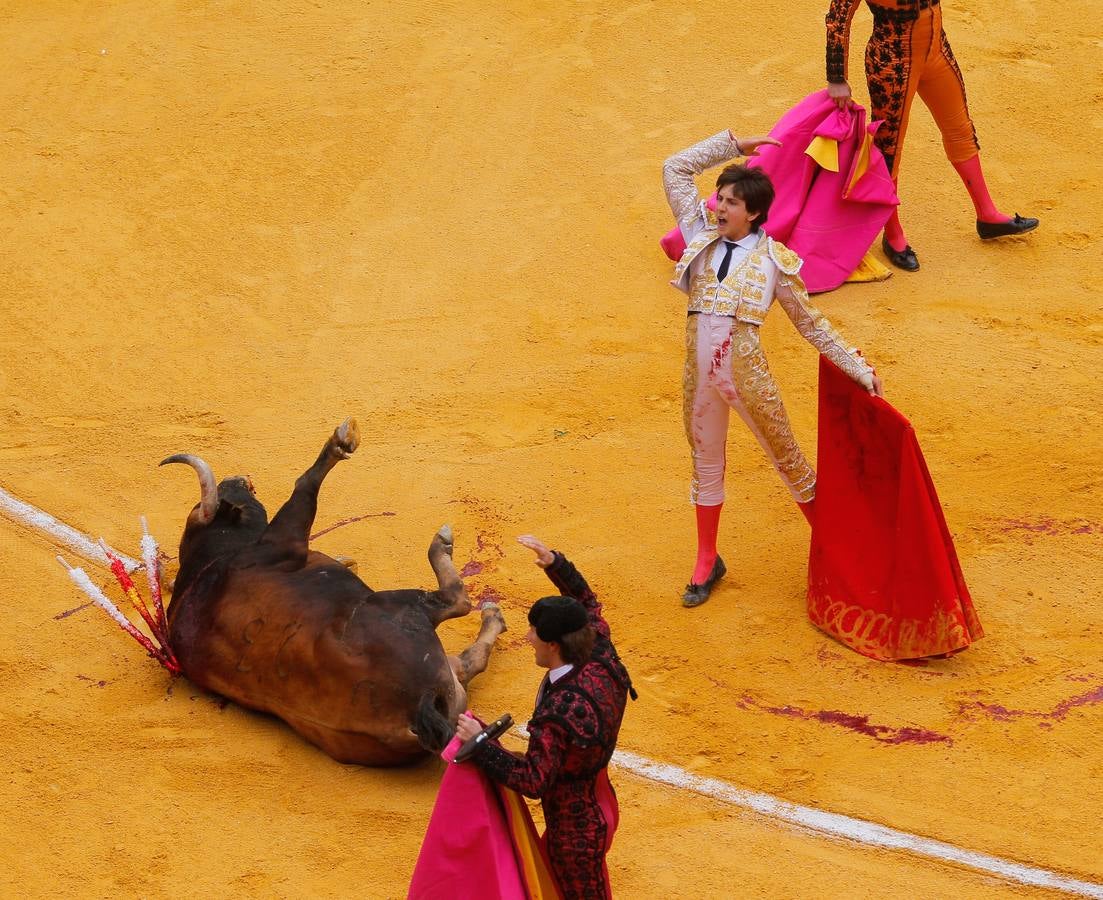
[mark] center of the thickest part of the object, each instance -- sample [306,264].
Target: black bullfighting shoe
[903,259]
[1018,225]
[696,594]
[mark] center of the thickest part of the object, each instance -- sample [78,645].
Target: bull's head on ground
[228,515]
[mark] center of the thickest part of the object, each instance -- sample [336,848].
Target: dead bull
[260,618]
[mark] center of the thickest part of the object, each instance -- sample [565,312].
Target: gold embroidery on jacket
[786,259]
[726,298]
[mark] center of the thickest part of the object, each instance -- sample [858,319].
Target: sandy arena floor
[229,225]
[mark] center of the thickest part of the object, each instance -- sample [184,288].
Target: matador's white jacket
[770,270]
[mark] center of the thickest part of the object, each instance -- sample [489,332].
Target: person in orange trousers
[908,54]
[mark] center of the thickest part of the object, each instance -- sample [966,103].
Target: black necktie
[540,692]
[723,273]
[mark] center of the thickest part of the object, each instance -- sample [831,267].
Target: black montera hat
[553,617]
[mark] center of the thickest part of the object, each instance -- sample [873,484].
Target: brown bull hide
[261,619]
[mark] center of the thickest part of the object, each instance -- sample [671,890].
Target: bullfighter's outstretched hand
[544,556]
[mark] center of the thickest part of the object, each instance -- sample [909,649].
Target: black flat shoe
[696,594]
[903,259]
[1018,225]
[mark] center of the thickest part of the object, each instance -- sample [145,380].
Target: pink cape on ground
[480,842]
[834,191]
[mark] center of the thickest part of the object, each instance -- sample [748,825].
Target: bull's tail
[433,730]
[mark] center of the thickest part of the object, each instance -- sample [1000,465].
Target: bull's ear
[229,512]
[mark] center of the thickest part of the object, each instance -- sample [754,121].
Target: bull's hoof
[492,612]
[443,540]
[346,438]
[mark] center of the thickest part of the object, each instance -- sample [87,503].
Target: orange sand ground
[228,225]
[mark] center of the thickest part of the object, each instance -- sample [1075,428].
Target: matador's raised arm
[680,170]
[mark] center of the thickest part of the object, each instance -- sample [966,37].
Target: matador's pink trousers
[726,369]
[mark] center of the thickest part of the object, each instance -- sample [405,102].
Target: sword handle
[491,731]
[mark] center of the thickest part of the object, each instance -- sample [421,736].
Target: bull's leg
[449,600]
[474,659]
[290,528]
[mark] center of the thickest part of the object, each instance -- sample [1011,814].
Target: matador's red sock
[973,178]
[894,233]
[708,525]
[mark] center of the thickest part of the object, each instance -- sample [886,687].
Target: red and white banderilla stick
[81,579]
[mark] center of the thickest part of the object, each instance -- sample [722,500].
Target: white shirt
[715,256]
[555,674]
[559,671]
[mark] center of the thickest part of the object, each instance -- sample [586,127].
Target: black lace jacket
[573,731]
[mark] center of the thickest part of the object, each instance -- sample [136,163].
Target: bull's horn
[208,500]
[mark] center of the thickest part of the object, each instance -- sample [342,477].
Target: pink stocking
[894,233]
[973,178]
[708,524]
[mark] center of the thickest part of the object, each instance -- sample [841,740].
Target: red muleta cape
[883,576]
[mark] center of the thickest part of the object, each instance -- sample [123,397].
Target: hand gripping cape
[481,842]
[883,576]
[834,193]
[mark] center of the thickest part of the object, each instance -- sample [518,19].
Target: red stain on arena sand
[886,734]
[69,612]
[1050,526]
[475,566]
[343,522]
[1057,714]
[488,595]
[482,544]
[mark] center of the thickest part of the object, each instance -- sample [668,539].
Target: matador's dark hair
[753,187]
[575,647]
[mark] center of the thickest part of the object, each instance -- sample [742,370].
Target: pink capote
[828,218]
[467,853]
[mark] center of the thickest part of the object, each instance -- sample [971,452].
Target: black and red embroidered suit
[572,735]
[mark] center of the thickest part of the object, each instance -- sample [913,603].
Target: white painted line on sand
[838,826]
[58,532]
